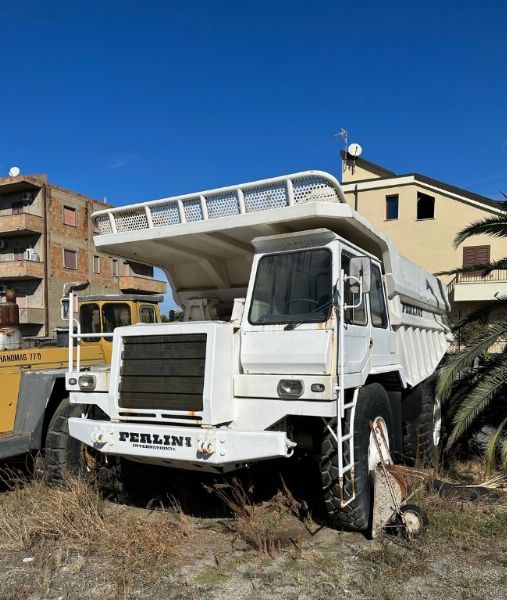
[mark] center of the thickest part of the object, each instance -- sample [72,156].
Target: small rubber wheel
[412,521]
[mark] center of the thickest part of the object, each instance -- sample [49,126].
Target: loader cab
[102,314]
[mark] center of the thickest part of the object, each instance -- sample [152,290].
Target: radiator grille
[164,372]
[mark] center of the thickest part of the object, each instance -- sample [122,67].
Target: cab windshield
[292,287]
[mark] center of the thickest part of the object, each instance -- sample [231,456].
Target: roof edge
[368,165]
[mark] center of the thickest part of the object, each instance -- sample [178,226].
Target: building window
[425,206]
[391,207]
[96,264]
[114,267]
[70,259]
[474,255]
[17,208]
[69,216]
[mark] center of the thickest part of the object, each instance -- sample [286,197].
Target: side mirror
[64,309]
[360,268]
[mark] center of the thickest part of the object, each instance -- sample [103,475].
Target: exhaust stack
[10,335]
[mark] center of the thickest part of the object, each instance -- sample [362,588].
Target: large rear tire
[372,405]
[422,437]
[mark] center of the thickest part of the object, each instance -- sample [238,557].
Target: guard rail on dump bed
[266,194]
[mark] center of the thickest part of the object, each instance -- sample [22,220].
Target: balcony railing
[480,277]
[28,315]
[476,286]
[20,224]
[21,269]
[140,284]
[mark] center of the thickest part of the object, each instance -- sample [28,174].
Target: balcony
[21,269]
[31,316]
[473,287]
[20,224]
[136,284]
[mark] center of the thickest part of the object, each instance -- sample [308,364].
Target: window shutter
[69,216]
[475,255]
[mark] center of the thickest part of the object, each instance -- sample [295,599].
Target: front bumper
[185,444]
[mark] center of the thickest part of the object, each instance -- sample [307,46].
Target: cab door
[381,344]
[356,323]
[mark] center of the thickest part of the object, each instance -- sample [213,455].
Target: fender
[35,391]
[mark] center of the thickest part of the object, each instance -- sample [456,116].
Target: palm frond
[484,269]
[464,360]
[482,312]
[492,447]
[503,453]
[478,399]
[495,226]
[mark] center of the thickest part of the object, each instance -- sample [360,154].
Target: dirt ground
[70,542]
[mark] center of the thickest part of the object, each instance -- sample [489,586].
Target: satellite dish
[354,150]
[14,171]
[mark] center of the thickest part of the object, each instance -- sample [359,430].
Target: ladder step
[346,468]
[347,502]
[347,437]
[348,405]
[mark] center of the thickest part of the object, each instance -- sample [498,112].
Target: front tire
[63,454]
[372,404]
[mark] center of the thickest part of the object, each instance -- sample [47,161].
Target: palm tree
[481,375]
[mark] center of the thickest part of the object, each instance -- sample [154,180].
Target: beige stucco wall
[356,173]
[427,242]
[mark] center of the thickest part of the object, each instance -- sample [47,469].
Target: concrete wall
[79,239]
[354,172]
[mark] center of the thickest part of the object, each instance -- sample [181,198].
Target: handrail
[476,277]
[480,276]
[78,336]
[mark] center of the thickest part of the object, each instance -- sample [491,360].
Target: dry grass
[468,526]
[66,524]
[473,532]
[268,527]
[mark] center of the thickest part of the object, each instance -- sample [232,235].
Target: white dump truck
[303,326]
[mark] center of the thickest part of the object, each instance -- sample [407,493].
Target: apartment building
[422,215]
[46,240]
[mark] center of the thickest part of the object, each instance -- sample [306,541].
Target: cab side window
[377,301]
[147,314]
[89,318]
[353,316]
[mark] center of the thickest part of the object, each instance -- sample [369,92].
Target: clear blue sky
[141,100]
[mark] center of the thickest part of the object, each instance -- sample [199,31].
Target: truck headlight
[87,383]
[290,388]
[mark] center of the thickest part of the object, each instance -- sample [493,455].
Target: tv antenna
[344,135]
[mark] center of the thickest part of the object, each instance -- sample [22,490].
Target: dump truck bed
[203,240]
